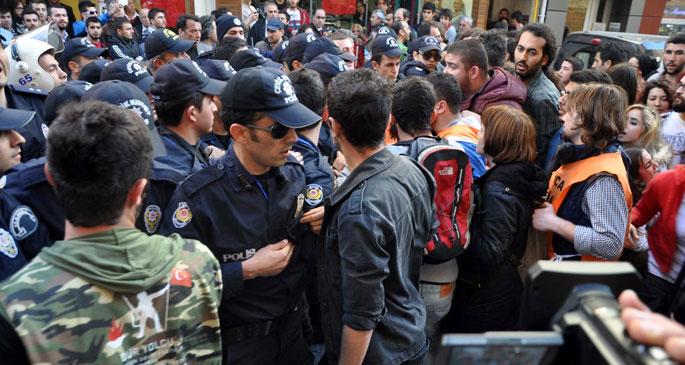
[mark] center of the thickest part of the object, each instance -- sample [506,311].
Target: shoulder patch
[152,216]
[3,181]
[7,245]
[182,215]
[313,194]
[23,222]
[201,178]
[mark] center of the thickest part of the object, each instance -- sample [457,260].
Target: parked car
[584,45]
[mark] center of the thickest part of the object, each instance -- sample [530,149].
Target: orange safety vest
[576,172]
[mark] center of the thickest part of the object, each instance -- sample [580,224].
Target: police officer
[219,70]
[247,210]
[24,84]
[21,235]
[183,99]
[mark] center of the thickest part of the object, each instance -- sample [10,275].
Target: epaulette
[202,178]
[293,160]
[27,90]
[164,172]
[26,174]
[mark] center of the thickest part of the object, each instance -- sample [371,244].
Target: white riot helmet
[24,68]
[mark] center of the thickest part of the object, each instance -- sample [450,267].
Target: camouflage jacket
[63,318]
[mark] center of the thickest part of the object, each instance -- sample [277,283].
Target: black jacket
[121,48]
[375,229]
[488,281]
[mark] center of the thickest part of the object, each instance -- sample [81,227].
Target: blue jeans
[438,300]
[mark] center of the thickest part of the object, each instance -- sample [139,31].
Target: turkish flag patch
[181,278]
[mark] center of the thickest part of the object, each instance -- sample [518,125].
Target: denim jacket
[376,227]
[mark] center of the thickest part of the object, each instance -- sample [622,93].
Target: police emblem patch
[152,216]
[182,215]
[7,244]
[23,222]
[313,195]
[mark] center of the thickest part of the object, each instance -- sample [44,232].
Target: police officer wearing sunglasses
[247,210]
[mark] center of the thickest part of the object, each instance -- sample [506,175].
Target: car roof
[649,41]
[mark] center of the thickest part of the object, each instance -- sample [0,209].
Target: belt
[242,333]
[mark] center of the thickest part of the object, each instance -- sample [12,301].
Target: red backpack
[454,200]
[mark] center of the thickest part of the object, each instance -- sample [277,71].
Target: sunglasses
[277,130]
[434,55]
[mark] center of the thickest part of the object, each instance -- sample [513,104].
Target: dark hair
[428,6]
[471,33]
[92,19]
[589,75]
[118,23]
[310,90]
[243,117]
[602,112]
[446,88]
[219,12]
[647,65]
[542,31]
[207,26]
[28,11]
[183,19]
[624,75]
[498,140]
[413,101]
[95,153]
[170,112]
[658,84]
[425,29]
[517,15]
[637,186]
[611,52]
[576,63]
[153,13]
[472,53]
[4,10]
[287,16]
[397,26]
[84,5]
[677,38]
[495,43]
[55,6]
[369,92]
[228,47]
[445,13]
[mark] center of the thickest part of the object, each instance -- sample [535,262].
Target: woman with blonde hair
[489,284]
[642,129]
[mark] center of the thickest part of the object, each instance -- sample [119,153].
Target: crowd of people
[264,188]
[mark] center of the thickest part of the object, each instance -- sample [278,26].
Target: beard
[529,73]
[678,104]
[677,71]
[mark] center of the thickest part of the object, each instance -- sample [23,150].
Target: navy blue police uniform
[162,183]
[235,214]
[28,184]
[36,130]
[180,155]
[320,179]
[21,235]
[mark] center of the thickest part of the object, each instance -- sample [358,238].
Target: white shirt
[673,133]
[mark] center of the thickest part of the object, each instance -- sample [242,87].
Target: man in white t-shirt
[298,17]
[673,130]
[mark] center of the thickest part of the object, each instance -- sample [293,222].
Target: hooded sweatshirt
[117,296]
[501,89]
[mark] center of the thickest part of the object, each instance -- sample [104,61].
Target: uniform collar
[378,162]
[240,178]
[305,143]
